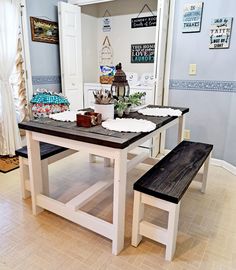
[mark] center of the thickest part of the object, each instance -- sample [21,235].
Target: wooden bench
[163,186]
[49,154]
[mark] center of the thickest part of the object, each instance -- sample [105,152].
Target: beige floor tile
[206,237]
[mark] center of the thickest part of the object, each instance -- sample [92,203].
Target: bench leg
[138,212]
[172,230]
[24,175]
[205,174]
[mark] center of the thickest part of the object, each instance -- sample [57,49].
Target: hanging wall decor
[220,33]
[106,22]
[44,30]
[144,21]
[192,17]
[142,53]
[107,70]
[106,53]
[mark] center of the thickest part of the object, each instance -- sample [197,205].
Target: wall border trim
[46,79]
[203,85]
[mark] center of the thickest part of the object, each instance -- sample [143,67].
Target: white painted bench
[49,154]
[163,186]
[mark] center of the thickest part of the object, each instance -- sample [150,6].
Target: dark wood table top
[97,134]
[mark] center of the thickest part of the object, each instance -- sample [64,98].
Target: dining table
[96,141]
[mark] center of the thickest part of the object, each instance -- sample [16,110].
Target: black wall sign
[142,53]
[144,22]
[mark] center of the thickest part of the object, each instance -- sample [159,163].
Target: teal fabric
[49,98]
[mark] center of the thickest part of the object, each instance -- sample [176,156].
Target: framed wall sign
[106,53]
[220,33]
[44,30]
[106,21]
[144,22]
[142,53]
[106,24]
[192,17]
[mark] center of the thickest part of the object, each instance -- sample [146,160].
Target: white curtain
[9,29]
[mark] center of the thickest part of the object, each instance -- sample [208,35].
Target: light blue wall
[45,63]
[211,94]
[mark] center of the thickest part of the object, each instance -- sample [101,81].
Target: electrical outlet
[187,134]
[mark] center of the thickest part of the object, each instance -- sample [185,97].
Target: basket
[106,79]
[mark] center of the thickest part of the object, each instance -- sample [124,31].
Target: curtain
[21,89]
[9,29]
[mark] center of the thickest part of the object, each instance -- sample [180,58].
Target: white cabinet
[90,87]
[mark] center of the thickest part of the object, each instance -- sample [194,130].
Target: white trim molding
[224,164]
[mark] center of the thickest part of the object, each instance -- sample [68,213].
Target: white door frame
[169,46]
[86,2]
[26,50]
[161,69]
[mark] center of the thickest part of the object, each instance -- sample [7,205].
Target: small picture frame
[44,30]
[220,33]
[192,17]
[142,53]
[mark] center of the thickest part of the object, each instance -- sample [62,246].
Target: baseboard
[221,163]
[218,162]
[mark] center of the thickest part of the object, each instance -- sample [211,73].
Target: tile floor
[206,237]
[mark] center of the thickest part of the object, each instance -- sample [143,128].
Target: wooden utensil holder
[89,119]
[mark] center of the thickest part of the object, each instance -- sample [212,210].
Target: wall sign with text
[106,24]
[144,22]
[192,17]
[142,53]
[220,33]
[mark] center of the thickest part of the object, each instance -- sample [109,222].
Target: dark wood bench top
[171,176]
[46,150]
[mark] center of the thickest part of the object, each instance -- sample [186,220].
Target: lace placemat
[67,116]
[129,125]
[160,112]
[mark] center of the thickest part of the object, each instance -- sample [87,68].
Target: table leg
[35,171]
[181,128]
[119,197]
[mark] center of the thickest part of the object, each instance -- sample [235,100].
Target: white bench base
[164,236]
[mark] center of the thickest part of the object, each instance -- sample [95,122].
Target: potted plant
[128,105]
[120,107]
[104,104]
[136,99]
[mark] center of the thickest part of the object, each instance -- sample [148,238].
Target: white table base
[71,210]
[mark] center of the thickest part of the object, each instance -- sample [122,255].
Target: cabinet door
[71,53]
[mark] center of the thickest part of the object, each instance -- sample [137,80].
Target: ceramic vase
[106,110]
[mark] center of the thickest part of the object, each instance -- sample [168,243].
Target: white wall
[211,94]
[89,23]
[121,35]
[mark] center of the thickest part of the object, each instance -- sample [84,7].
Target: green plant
[134,100]
[120,105]
[139,94]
